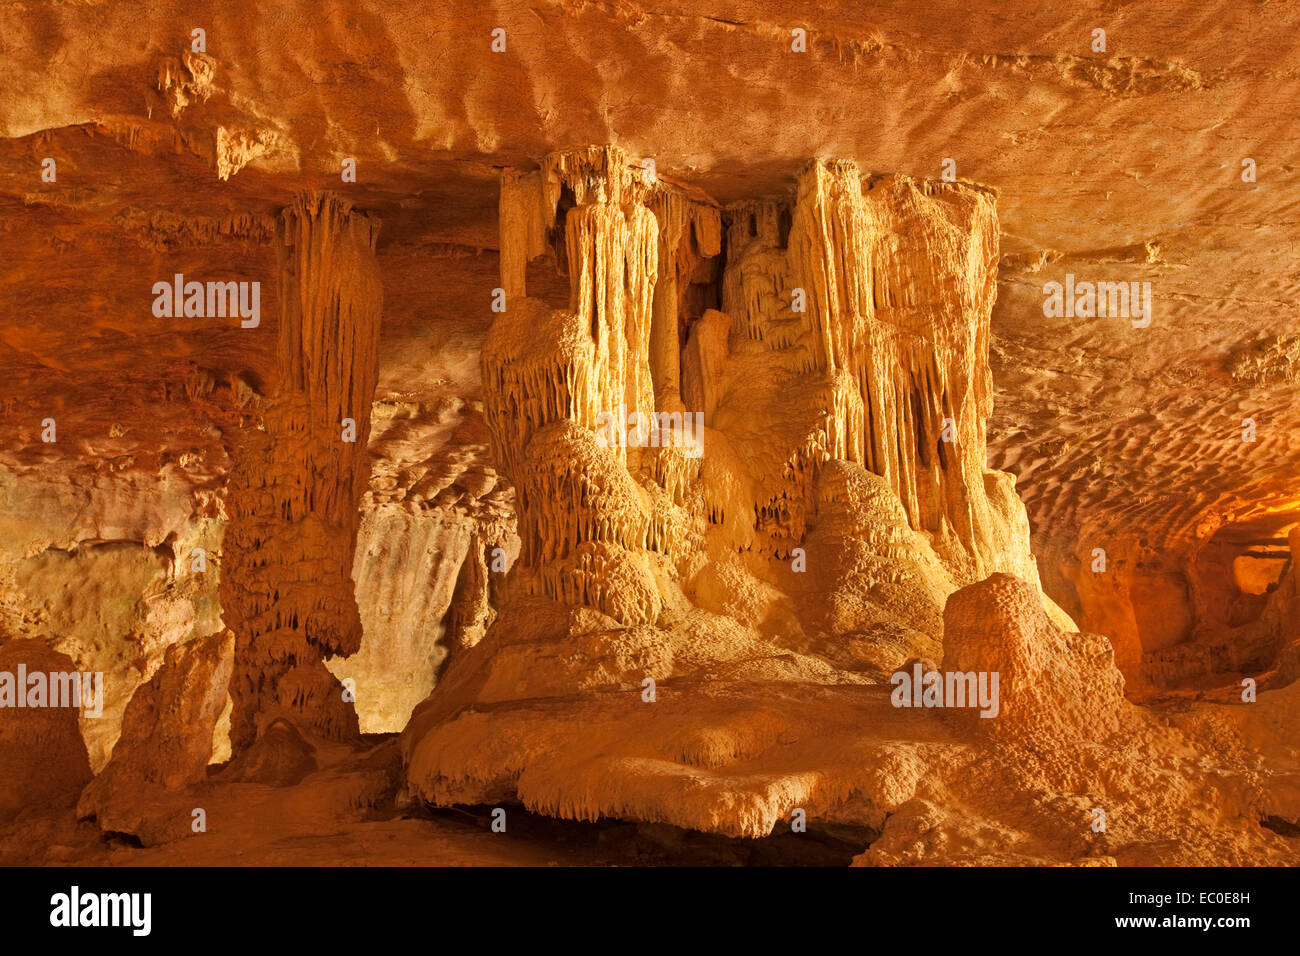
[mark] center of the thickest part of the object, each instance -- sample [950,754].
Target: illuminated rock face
[286,584]
[714,637]
[807,535]
[864,339]
[895,281]
[1057,685]
[591,532]
[166,744]
[629,292]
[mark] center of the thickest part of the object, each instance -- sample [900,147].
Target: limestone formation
[286,584]
[700,448]
[1053,684]
[437,535]
[842,431]
[166,744]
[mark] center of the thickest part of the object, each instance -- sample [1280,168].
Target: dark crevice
[659,844]
[1281,827]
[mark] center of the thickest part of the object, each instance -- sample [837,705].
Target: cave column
[665,340]
[286,582]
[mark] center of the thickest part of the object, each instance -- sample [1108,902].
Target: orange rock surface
[650,418]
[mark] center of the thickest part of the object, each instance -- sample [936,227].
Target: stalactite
[854,322]
[573,396]
[704,357]
[897,285]
[873,302]
[522,228]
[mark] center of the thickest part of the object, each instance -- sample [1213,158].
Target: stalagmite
[471,611]
[1053,685]
[832,498]
[571,394]
[286,583]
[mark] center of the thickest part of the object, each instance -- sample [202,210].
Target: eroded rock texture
[510,550]
[708,640]
[1058,684]
[168,738]
[286,584]
[43,760]
[804,534]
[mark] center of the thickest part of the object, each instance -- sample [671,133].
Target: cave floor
[56,838]
[345,813]
[53,837]
[345,807]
